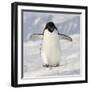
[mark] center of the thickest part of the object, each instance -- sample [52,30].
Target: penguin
[50,49]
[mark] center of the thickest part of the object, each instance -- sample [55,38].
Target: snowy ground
[70,63]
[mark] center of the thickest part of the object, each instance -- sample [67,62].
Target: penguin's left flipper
[66,37]
[36,36]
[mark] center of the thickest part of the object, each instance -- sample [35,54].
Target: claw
[46,65]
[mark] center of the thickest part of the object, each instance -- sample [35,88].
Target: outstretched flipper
[36,36]
[66,37]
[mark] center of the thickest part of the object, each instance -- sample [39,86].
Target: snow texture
[69,65]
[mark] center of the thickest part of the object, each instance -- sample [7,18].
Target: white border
[82,43]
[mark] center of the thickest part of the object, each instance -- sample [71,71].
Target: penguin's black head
[50,26]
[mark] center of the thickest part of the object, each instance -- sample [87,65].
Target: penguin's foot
[54,65]
[57,65]
[46,65]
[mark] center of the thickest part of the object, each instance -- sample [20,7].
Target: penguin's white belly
[51,52]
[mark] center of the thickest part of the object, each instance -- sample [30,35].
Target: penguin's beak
[55,28]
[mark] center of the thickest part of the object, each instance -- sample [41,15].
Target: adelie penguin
[50,49]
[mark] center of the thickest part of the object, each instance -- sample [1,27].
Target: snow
[69,65]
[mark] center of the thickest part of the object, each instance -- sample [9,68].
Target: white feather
[51,52]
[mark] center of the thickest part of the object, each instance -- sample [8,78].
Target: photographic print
[62,55]
[50,44]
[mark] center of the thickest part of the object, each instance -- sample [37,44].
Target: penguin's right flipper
[66,37]
[36,36]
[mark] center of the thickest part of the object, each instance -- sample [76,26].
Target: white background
[5,46]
